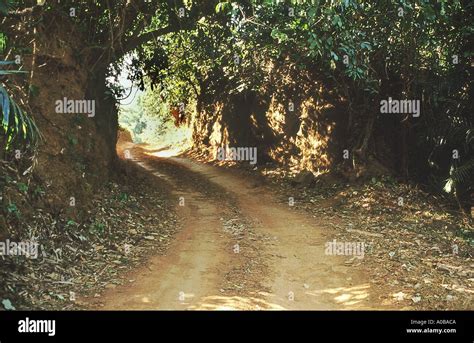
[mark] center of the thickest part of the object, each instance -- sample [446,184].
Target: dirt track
[238,249]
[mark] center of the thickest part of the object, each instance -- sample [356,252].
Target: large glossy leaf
[5,107]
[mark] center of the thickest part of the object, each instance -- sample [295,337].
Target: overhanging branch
[146,37]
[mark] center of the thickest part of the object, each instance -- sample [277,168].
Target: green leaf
[221,6]
[366,45]
[337,21]
[5,107]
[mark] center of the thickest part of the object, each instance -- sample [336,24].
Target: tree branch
[146,37]
[25,12]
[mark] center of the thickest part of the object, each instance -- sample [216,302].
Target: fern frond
[463,174]
[15,121]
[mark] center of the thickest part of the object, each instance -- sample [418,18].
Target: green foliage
[123,197]
[72,139]
[97,228]
[38,191]
[13,209]
[462,172]
[362,50]
[3,42]
[365,51]
[15,122]
[71,224]
[135,120]
[22,187]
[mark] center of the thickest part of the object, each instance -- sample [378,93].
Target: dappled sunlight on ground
[221,302]
[170,152]
[162,151]
[347,296]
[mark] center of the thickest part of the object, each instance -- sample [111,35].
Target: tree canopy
[364,51]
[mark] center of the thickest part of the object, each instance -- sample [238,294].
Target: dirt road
[238,249]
